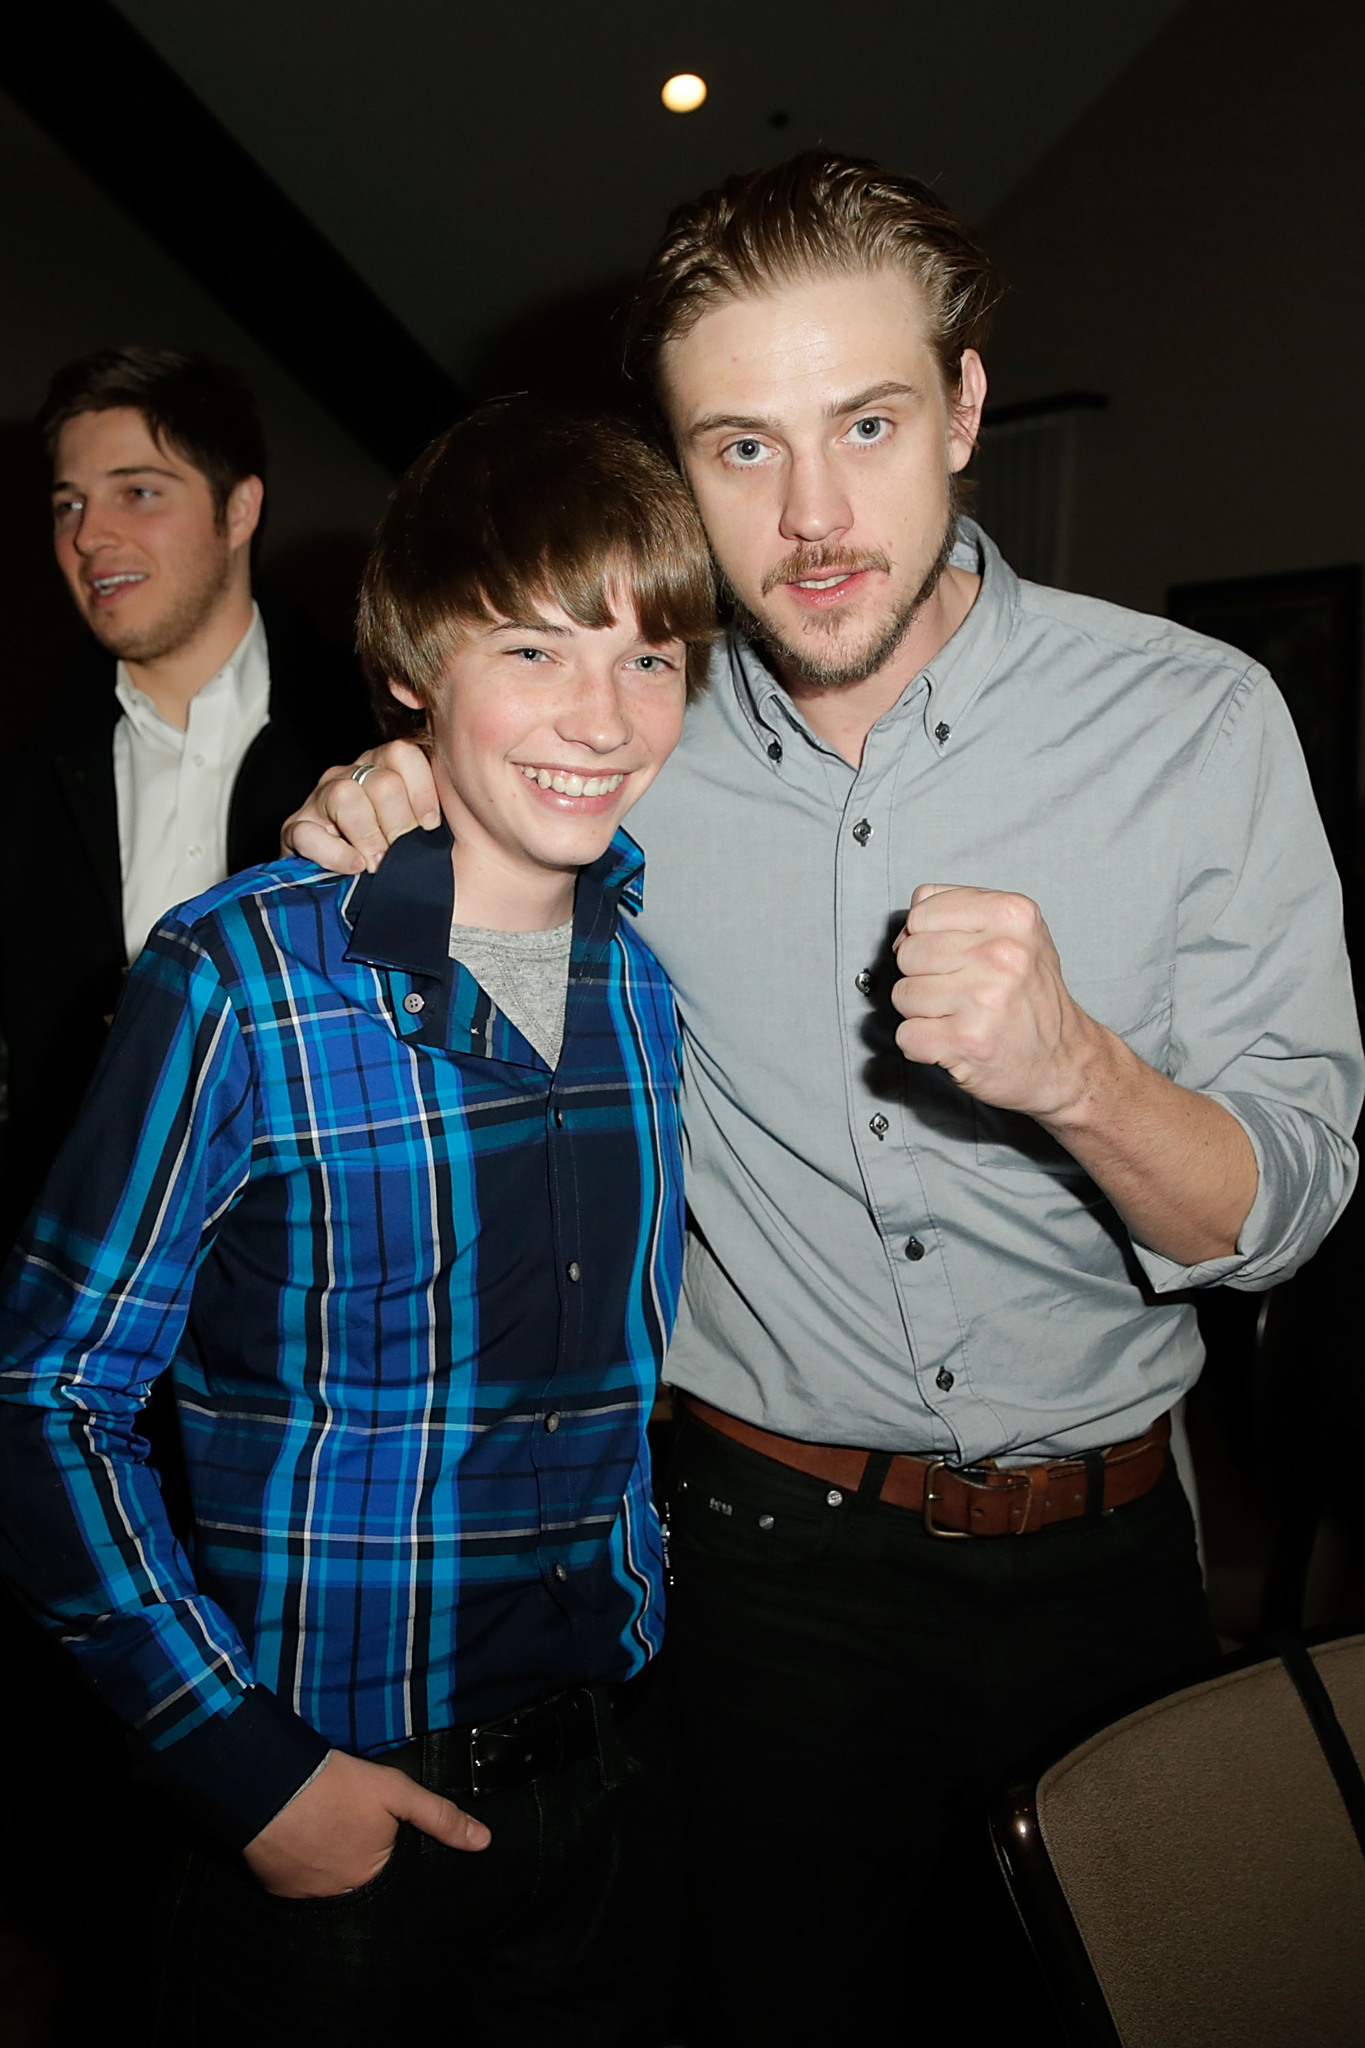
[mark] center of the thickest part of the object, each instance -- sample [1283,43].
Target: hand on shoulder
[346,826]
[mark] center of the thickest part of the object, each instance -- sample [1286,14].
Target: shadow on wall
[42,632]
[565,348]
[320,574]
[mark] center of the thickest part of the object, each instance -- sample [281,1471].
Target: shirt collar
[953,677]
[400,915]
[243,680]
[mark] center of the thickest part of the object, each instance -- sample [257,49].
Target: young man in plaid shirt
[385,1171]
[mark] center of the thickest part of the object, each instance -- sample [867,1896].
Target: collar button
[412,1003]
[774,750]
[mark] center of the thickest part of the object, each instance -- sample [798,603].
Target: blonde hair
[817,213]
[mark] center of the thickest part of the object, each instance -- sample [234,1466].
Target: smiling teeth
[574,785]
[828,583]
[106,583]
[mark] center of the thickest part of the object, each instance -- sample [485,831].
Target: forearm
[1177,1166]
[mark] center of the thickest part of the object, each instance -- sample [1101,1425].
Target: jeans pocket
[357,1896]
[728,1503]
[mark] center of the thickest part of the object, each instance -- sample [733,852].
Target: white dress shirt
[174,788]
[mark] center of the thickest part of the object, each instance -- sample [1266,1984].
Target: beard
[804,663]
[193,604]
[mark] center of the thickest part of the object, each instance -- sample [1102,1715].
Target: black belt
[498,1755]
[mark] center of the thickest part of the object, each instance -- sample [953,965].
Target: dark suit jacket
[61,915]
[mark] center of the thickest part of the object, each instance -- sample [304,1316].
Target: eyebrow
[130,469]
[530,625]
[890,387]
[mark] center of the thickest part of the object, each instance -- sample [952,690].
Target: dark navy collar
[400,915]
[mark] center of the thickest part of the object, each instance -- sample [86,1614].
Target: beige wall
[1193,249]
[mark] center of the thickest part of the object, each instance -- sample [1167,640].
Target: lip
[853,584]
[102,600]
[564,805]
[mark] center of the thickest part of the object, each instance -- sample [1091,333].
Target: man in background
[163,762]
[166,759]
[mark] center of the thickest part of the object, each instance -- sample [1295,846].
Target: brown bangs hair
[819,212]
[517,505]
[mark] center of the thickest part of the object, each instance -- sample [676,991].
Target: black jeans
[558,1935]
[849,1689]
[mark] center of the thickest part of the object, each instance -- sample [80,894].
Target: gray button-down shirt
[875,1258]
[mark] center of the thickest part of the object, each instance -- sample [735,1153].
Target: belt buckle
[515,1747]
[948,1535]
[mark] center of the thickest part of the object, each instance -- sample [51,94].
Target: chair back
[1209,1866]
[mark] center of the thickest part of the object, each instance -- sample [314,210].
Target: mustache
[806,562]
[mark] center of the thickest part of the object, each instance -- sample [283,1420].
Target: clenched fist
[982,995]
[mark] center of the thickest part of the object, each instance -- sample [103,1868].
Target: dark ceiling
[494,173]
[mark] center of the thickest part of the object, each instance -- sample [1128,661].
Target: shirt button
[942,732]
[551,1424]
[943,1380]
[913,1248]
[834,1498]
[863,983]
[878,1126]
[774,750]
[559,1572]
[559,1119]
[413,1003]
[198,760]
[574,1270]
[195,851]
[862,831]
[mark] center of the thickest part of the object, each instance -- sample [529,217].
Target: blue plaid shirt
[414,1289]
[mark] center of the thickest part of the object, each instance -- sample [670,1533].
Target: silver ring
[366,768]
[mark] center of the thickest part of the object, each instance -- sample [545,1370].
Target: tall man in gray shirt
[1008,951]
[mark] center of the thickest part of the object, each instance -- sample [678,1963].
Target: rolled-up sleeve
[1263,1018]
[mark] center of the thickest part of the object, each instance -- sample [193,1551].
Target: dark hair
[518,503]
[817,213]
[201,409]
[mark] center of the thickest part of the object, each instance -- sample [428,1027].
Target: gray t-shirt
[525,973]
[874,1258]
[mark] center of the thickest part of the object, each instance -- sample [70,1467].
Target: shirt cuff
[234,1773]
[1254,1240]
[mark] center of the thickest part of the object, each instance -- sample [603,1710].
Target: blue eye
[745,452]
[870,429]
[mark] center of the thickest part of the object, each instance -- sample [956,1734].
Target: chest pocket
[1138,1008]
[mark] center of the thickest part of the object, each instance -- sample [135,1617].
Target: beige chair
[1194,1875]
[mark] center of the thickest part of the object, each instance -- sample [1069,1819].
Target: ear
[406,696]
[964,422]
[243,510]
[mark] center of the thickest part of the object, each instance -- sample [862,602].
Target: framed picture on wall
[1305,628]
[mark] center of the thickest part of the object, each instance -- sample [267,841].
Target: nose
[594,713]
[92,530]
[815,506]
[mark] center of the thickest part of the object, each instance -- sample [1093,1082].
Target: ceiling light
[684,94]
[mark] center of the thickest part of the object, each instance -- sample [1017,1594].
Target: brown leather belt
[975,1500]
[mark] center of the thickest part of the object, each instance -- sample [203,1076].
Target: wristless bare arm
[983,996]
[339,1831]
